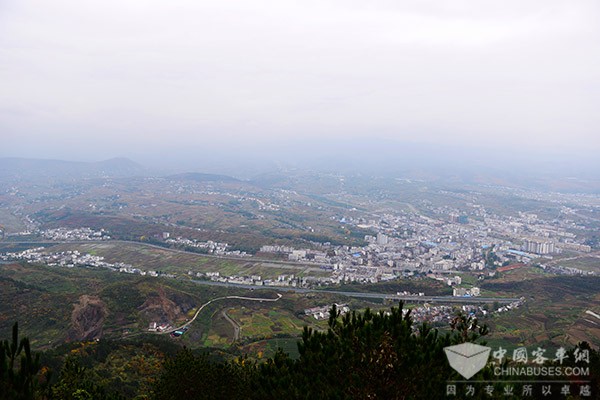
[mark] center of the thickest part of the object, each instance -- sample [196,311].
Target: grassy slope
[554,312]
[42,298]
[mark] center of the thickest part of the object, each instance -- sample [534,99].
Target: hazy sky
[105,78]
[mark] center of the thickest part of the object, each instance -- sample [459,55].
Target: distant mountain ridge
[28,168]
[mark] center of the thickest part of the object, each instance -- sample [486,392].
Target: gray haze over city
[214,85]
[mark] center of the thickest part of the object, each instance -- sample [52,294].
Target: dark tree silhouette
[19,368]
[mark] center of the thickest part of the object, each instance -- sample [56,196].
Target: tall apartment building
[533,246]
[382,239]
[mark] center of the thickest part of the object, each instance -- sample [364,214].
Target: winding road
[260,299]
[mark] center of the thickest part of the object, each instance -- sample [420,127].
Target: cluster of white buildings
[254,280]
[75,234]
[466,292]
[561,270]
[438,242]
[322,312]
[304,255]
[72,259]
[215,248]
[156,327]
[408,243]
[511,306]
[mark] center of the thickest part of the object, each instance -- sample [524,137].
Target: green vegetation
[359,356]
[262,323]
[554,312]
[18,369]
[54,305]
[58,304]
